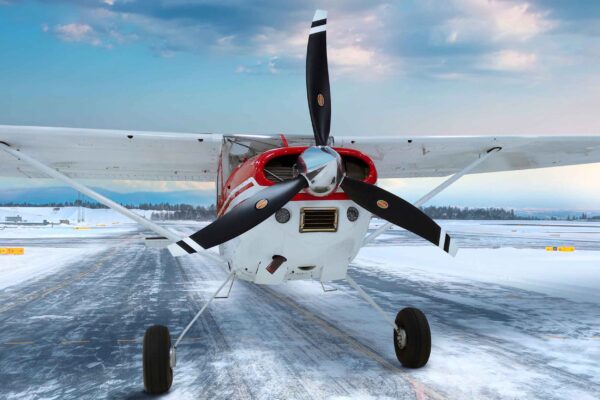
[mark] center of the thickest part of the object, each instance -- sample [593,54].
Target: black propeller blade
[317,79]
[245,216]
[397,211]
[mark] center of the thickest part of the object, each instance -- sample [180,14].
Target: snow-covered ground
[91,217]
[39,262]
[509,319]
[575,275]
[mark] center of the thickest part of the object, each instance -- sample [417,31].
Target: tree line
[449,212]
[166,211]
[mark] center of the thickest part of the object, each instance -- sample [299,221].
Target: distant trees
[163,211]
[182,212]
[448,212]
[167,212]
[76,203]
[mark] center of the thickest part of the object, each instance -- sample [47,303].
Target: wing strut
[91,193]
[438,189]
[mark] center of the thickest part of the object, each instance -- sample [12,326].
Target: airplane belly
[309,252]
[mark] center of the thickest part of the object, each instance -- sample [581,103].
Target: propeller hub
[323,169]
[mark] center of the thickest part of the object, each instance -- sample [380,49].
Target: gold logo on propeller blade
[261,204]
[382,204]
[321,100]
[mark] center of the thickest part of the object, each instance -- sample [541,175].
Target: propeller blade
[397,211]
[243,217]
[317,79]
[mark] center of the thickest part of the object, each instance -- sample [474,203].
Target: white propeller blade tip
[319,15]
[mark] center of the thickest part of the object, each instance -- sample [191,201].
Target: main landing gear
[160,357]
[412,336]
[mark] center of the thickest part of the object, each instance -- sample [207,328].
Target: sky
[456,67]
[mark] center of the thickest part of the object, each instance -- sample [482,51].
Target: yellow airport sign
[12,251]
[560,248]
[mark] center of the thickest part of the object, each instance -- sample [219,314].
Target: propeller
[244,216]
[400,212]
[317,79]
[321,172]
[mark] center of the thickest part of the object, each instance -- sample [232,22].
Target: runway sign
[12,251]
[560,248]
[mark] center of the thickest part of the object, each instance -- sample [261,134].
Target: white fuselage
[309,255]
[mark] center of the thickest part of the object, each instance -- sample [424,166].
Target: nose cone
[323,169]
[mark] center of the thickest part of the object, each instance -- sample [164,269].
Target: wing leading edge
[112,154]
[406,157]
[165,156]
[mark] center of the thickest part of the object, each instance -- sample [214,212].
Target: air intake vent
[273,173]
[319,219]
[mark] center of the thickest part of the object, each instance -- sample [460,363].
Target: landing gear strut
[412,337]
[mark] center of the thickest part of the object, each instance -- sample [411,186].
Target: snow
[38,262]
[573,275]
[509,319]
[55,214]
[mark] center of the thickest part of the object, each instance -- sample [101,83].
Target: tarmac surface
[77,334]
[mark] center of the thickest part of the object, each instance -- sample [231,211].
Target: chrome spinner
[323,169]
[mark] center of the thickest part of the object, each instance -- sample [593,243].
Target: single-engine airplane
[292,207]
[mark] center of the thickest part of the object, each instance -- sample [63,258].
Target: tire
[415,353]
[158,374]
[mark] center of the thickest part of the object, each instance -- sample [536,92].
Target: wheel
[413,344]
[158,374]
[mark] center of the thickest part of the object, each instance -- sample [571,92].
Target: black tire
[158,375]
[415,353]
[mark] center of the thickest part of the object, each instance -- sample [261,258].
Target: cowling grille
[319,219]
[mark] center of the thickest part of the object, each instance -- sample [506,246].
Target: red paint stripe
[236,194]
[283,140]
[308,197]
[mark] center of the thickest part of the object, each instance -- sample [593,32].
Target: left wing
[112,154]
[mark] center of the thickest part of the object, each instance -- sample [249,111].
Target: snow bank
[570,275]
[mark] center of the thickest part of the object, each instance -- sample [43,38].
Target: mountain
[63,194]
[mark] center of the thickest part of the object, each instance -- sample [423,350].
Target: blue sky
[425,67]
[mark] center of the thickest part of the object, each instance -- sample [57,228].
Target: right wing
[431,156]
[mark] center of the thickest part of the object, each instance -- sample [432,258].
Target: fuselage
[317,236]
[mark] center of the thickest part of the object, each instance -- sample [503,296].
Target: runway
[77,333]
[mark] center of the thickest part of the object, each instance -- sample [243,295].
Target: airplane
[289,207]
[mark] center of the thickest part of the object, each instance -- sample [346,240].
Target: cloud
[493,20]
[75,32]
[511,60]
[367,39]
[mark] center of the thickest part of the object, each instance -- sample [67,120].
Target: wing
[407,157]
[113,154]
